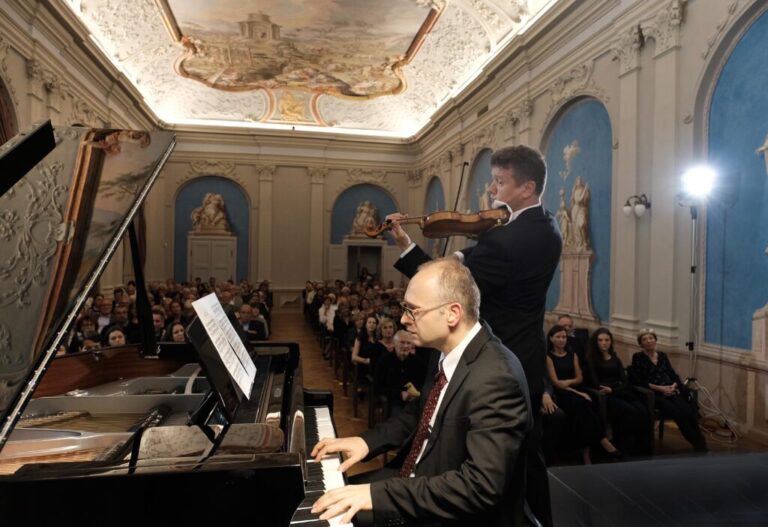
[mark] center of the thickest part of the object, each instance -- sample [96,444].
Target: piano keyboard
[322,476]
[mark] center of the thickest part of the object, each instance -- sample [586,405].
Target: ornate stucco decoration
[627,50]
[4,50]
[211,216]
[358,176]
[31,235]
[711,41]
[458,38]
[578,81]
[665,27]
[83,113]
[317,175]
[211,168]
[415,177]
[266,173]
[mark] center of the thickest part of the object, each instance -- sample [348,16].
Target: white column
[266,177]
[624,315]
[664,178]
[316,235]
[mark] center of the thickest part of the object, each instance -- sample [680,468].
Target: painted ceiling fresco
[352,66]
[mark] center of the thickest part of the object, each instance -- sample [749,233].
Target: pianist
[460,458]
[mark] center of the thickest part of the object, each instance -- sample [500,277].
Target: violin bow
[456,205]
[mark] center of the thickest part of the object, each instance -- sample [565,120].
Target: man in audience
[254,330]
[574,344]
[105,315]
[399,376]
[460,443]
[158,322]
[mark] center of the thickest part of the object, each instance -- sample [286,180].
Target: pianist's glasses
[413,311]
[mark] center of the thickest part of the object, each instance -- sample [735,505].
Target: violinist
[513,265]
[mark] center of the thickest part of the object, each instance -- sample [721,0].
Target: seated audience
[386,333]
[85,328]
[627,410]
[365,350]
[115,336]
[399,376]
[253,329]
[175,333]
[565,374]
[651,369]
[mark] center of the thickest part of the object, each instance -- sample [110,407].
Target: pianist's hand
[347,500]
[353,448]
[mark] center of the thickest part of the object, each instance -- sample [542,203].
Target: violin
[449,223]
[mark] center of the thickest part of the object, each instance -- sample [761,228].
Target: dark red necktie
[422,432]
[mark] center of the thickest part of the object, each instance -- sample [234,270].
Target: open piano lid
[59,226]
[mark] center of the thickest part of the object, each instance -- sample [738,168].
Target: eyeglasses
[411,312]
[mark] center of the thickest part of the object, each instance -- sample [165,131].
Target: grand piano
[135,433]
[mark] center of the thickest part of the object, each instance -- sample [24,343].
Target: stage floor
[706,490]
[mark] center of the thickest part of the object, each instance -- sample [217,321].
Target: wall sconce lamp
[636,203]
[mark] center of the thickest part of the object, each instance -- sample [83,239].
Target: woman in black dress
[651,369]
[565,374]
[366,350]
[627,409]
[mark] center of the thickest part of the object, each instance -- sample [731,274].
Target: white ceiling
[142,41]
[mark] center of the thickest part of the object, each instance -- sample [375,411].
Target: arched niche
[345,208]
[189,197]
[476,195]
[578,143]
[735,139]
[434,201]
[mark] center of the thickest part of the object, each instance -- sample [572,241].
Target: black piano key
[315,485]
[316,523]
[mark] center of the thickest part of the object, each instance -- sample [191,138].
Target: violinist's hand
[400,236]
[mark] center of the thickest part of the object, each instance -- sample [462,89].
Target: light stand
[694,297]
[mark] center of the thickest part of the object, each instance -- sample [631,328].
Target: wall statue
[367,214]
[211,216]
[580,215]
[564,220]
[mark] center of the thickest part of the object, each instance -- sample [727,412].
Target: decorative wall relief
[627,50]
[367,215]
[211,216]
[576,82]
[665,28]
[711,41]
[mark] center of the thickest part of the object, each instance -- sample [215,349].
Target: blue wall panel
[737,216]
[586,123]
[434,201]
[189,198]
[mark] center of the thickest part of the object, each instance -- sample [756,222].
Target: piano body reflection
[133,433]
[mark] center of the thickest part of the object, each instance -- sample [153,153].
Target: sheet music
[229,346]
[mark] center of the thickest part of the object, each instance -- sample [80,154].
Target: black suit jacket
[513,266]
[472,470]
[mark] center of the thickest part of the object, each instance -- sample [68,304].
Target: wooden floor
[319,375]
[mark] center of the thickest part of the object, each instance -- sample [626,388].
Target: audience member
[564,370]
[627,411]
[651,369]
[399,376]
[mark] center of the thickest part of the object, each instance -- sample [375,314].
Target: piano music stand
[222,401]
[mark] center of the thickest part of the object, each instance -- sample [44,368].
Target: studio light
[698,181]
[638,204]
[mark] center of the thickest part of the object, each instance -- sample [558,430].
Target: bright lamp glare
[698,181]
